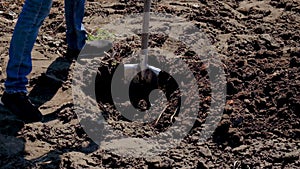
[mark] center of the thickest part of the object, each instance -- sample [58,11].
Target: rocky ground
[259,46]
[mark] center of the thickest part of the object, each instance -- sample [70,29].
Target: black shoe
[90,50]
[20,105]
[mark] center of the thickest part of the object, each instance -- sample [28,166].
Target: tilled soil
[258,44]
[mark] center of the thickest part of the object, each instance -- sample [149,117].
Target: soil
[259,46]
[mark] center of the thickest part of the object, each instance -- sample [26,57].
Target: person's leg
[19,64]
[76,34]
[23,39]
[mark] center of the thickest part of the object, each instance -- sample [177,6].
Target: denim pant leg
[76,34]
[23,39]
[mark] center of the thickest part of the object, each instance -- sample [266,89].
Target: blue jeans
[25,33]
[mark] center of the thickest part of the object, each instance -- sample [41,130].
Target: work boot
[20,105]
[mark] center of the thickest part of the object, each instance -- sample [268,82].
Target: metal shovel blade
[147,71]
[132,70]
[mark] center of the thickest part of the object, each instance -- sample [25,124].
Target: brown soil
[258,42]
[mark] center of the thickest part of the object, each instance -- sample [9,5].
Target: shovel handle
[145,35]
[146,20]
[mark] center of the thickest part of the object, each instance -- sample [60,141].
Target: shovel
[147,71]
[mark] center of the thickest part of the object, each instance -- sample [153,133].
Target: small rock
[240,148]
[270,41]
[204,150]
[266,37]
[244,10]
[247,101]
[266,54]
[228,149]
